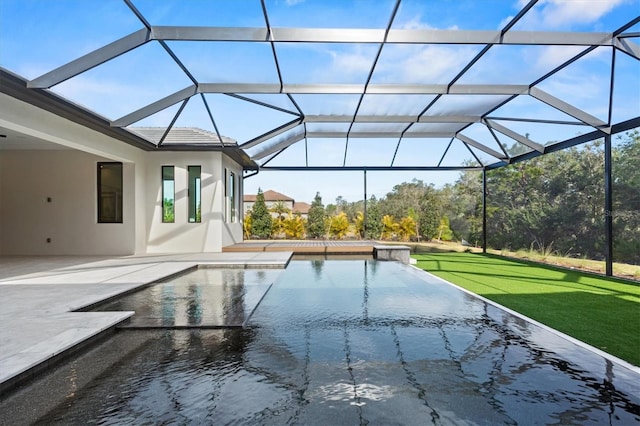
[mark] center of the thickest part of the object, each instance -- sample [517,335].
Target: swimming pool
[351,342]
[203,298]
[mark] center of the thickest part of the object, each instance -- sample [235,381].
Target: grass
[602,312]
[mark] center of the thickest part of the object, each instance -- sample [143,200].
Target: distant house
[272,197]
[302,209]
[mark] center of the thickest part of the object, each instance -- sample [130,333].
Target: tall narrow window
[232,196]
[168,194]
[109,192]
[195,211]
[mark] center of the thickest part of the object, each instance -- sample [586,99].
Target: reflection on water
[205,297]
[358,343]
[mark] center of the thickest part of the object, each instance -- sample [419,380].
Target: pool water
[353,342]
[204,297]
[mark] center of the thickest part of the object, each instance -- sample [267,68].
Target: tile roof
[301,207]
[269,196]
[182,135]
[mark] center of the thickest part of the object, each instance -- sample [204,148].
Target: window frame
[233,197]
[173,194]
[194,194]
[117,199]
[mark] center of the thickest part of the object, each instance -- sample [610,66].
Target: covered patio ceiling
[349,85]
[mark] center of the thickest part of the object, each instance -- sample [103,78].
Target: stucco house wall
[215,230]
[232,226]
[49,205]
[51,192]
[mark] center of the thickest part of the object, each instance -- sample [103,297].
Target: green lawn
[602,312]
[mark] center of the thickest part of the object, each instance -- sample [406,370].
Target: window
[168,194]
[230,196]
[109,192]
[195,211]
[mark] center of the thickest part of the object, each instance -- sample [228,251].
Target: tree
[406,228]
[417,200]
[352,209]
[316,221]
[430,212]
[358,223]
[463,205]
[444,232]
[404,196]
[374,219]
[280,209]
[415,218]
[339,225]
[389,227]
[626,199]
[293,227]
[246,225]
[261,220]
[168,211]
[555,200]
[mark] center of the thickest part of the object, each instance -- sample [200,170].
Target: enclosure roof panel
[324,80]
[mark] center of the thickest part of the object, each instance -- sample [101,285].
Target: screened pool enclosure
[395,85]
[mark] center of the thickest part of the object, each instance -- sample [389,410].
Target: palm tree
[281,209]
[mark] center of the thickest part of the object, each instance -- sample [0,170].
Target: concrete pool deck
[40,294]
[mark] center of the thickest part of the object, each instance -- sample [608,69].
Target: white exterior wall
[70,220]
[69,178]
[181,236]
[232,228]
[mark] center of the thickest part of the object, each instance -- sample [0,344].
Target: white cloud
[550,57]
[416,23]
[504,22]
[356,62]
[403,63]
[566,12]
[293,2]
[430,64]
[553,14]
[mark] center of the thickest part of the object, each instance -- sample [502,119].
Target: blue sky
[38,36]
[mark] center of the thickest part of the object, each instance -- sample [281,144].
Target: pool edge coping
[599,352]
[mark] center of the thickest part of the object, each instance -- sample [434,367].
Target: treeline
[553,203]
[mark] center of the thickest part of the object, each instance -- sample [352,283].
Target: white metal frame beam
[155,107]
[568,109]
[616,41]
[90,60]
[513,135]
[376,36]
